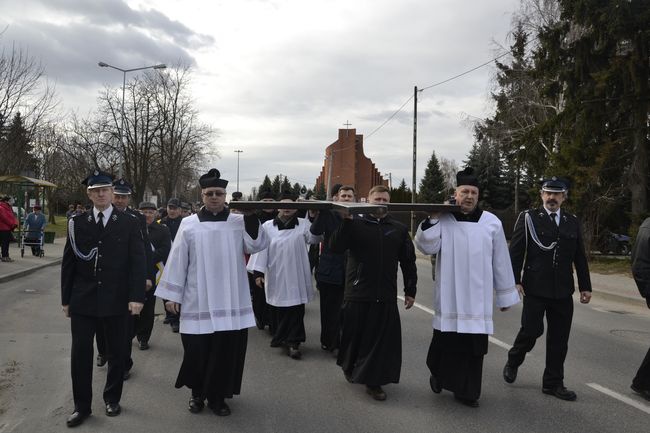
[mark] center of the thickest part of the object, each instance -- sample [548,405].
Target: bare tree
[141,129]
[448,169]
[23,88]
[183,140]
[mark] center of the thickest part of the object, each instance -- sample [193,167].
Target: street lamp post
[124,71]
[238,152]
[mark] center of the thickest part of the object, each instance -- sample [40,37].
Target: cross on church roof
[347,125]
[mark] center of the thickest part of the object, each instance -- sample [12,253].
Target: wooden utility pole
[415,153]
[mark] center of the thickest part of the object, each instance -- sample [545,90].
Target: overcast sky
[277,78]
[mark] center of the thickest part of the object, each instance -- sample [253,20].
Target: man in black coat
[547,244]
[330,271]
[122,190]
[160,244]
[102,282]
[261,309]
[641,273]
[173,221]
[370,349]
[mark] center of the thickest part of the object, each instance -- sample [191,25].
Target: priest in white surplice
[205,280]
[283,270]
[473,263]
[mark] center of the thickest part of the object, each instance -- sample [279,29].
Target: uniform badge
[114,217]
[90,218]
[96,173]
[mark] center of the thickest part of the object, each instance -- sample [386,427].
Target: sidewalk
[28,264]
[617,286]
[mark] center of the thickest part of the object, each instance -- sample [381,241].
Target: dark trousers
[642,378]
[101,342]
[5,237]
[331,299]
[289,326]
[559,314]
[144,322]
[128,342]
[260,307]
[83,331]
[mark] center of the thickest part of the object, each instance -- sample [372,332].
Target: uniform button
[100,269]
[99,283]
[100,242]
[100,255]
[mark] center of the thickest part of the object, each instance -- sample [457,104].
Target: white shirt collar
[107,213]
[557,221]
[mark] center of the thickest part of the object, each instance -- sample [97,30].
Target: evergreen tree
[320,193]
[432,186]
[276,186]
[17,150]
[401,194]
[286,185]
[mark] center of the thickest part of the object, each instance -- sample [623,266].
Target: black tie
[100,221]
[553,216]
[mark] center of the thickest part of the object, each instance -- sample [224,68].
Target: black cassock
[213,364]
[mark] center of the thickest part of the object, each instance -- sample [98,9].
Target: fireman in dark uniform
[102,281]
[547,244]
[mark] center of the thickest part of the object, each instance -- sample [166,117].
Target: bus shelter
[24,188]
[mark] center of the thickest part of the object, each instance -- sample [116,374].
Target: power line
[390,118]
[466,72]
[434,85]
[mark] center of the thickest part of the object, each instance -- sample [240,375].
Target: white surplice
[473,262]
[285,264]
[206,273]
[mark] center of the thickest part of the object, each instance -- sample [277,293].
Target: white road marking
[620,397]
[491,339]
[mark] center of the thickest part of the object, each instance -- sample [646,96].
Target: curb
[24,272]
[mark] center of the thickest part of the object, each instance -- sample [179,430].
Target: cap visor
[100,185]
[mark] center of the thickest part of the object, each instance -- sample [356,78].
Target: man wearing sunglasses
[205,282]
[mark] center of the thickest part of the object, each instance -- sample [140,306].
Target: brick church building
[345,163]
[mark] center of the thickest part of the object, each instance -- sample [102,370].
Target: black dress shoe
[560,392]
[510,373]
[376,392]
[143,345]
[466,401]
[127,375]
[435,384]
[196,404]
[175,327]
[220,408]
[101,361]
[259,324]
[76,418]
[294,352]
[645,393]
[113,409]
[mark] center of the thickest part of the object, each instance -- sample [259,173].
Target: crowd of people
[220,271]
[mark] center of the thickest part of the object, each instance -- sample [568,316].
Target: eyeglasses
[214,194]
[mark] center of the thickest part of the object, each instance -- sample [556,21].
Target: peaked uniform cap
[98,179]
[555,184]
[122,187]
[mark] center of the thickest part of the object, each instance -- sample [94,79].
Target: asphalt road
[279,394]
